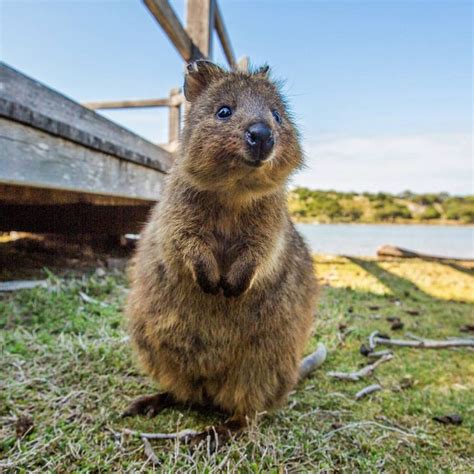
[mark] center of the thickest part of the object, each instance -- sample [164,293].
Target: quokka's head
[238,135]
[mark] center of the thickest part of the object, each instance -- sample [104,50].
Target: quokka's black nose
[260,141]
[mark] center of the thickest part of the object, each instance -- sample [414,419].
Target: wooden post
[224,37]
[200,19]
[243,63]
[166,17]
[174,115]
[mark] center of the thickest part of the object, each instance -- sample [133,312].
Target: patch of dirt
[29,256]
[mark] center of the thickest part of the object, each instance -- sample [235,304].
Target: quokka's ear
[263,71]
[199,74]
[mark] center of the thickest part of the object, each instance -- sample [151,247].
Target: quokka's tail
[313,361]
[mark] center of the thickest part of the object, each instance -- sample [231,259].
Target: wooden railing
[66,169]
[192,42]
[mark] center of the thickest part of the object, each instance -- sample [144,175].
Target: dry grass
[67,365]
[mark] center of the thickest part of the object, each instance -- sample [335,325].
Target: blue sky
[382,90]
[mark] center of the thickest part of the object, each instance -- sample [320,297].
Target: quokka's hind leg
[149,405]
[221,434]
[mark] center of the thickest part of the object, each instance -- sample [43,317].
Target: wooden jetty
[66,169]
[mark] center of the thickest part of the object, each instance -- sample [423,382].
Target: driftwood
[368,390]
[398,252]
[184,434]
[425,343]
[150,454]
[312,361]
[364,372]
[378,354]
[88,299]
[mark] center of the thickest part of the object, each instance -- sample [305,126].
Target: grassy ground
[67,368]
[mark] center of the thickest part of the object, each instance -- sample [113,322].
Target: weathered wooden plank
[73,218]
[166,17]
[127,104]
[200,18]
[27,101]
[31,157]
[28,195]
[224,37]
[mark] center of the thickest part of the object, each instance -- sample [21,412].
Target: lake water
[363,240]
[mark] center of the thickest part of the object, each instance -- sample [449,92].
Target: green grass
[67,364]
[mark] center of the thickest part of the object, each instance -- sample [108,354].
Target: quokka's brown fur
[222,286]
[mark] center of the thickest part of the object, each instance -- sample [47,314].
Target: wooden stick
[364,372]
[150,454]
[184,434]
[376,355]
[313,361]
[371,340]
[425,343]
[368,390]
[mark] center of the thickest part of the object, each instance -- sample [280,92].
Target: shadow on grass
[403,287]
[458,267]
[400,287]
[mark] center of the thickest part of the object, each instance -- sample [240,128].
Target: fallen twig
[451,419]
[378,354]
[16,285]
[150,454]
[368,390]
[359,424]
[371,340]
[425,343]
[364,372]
[88,299]
[313,361]
[184,434]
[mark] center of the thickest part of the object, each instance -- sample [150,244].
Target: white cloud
[421,163]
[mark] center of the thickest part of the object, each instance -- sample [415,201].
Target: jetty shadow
[400,287]
[456,266]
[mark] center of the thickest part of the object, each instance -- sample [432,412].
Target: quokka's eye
[276,116]
[224,112]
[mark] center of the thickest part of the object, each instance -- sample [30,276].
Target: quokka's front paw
[238,280]
[231,291]
[207,277]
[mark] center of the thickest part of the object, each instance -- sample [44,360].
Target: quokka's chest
[226,248]
[227,238]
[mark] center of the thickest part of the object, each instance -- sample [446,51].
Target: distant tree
[391,211]
[352,214]
[430,213]
[462,209]
[426,199]
[407,195]
[443,196]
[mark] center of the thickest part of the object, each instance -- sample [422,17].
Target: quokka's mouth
[254,164]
